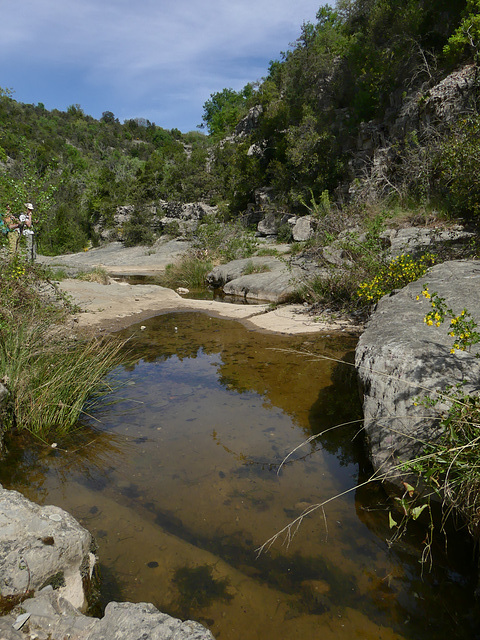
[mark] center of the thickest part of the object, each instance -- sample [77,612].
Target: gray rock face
[268,226]
[275,284]
[164,216]
[40,546]
[249,122]
[49,616]
[400,359]
[418,240]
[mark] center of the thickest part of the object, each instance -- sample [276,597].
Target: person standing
[26,230]
[13,231]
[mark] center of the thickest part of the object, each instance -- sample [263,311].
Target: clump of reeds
[51,377]
[189,272]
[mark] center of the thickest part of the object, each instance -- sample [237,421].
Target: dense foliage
[359,62]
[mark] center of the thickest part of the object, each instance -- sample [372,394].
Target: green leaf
[416,511]
[408,487]
[391,522]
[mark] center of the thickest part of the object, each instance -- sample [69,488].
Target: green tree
[467,36]
[222,112]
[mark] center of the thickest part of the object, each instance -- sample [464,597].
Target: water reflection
[179,485]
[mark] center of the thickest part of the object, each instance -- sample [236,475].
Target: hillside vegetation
[364,61]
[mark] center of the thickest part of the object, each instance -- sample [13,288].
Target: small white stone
[55,516]
[143,327]
[20,621]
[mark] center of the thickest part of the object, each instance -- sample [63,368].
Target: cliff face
[401,360]
[420,117]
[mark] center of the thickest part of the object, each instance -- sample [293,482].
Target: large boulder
[257,278]
[41,545]
[304,228]
[401,360]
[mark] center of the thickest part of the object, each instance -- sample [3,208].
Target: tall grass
[190,271]
[51,378]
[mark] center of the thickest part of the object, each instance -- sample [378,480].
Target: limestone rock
[268,226]
[249,122]
[418,240]
[42,545]
[304,228]
[144,621]
[274,281]
[52,617]
[400,359]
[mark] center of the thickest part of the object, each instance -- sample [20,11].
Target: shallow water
[208,293]
[176,476]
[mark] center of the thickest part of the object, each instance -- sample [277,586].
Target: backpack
[3,227]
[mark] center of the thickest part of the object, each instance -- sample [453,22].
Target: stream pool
[176,476]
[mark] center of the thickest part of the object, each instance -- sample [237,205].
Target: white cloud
[150,48]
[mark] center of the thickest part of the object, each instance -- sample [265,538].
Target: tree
[223,111]
[108,117]
[467,36]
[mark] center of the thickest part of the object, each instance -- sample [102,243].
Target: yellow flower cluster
[462,326]
[394,275]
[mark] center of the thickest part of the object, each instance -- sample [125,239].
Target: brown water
[176,476]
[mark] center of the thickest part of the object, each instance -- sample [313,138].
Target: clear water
[176,476]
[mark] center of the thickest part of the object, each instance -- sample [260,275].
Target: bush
[394,275]
[224,242]
[459,160]
[137,230]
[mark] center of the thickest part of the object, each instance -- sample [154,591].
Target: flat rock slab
[119,260]
[118,305]
[400,359]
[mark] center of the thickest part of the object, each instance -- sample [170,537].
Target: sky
[154,59]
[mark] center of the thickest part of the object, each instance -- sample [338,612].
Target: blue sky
[156,59]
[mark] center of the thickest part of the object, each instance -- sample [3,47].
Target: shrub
[225,241]
[459,158]
[394,275]
[95,275]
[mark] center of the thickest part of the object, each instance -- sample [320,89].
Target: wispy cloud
[146,57]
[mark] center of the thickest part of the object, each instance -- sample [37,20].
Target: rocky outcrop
[249,122]
[165,217]
[49,616]
[424,113]
[40,546]
[400,360]
[418,240]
